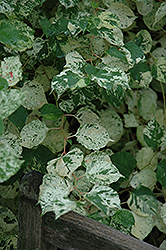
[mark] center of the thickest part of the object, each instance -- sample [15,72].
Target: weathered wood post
[70,232]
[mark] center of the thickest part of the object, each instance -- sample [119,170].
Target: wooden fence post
[70,232]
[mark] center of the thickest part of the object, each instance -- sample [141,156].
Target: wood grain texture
[70,232]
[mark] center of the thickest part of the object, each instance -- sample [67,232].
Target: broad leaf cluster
[82,100]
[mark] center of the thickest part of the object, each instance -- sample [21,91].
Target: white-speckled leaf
[108,28]
[163,245]
[6,8]
[92,136]
[33,134]
[146,178]
[85,115]
[153,134]
[67,106]
[142,202]
[21,37]
[149,19]
[35,96]
[100,169]
[26,6]
[65,80]
[53,195]
[113,36]
[75,62]
[159,70]
[7,220]
[163,213]
[13,141]
[11,70]
[104,198]
[67,164]
[160,13]
[142,227]
[144,40]
[10,100]
[158,221]
[144,6]
[108,20]
[124,13]
[110,78]
[9,162]
[146,159]
[10,191]
[68,3]
[112,122]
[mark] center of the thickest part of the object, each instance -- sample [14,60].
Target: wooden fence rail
[70,232]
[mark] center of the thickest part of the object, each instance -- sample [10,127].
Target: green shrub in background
[82,99]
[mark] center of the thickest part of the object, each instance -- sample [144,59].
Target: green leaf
[125,162]
[37,158]
[130,121]
[3,83]
[104,198]
[10,100]
[153,134]
[161,173]
[94,4]
[147,104]
[124,217]
[100,169]
[16,35]
[146,158]
[136,52]
[92,136]
[67,164]
[33,134]
[50,112]
[1,126]
[114,52]
[9,162]
[144,6]
[141,74]
[19,117]
[99,217]
[159,70]
[53,195]
[47,27]
[143,202]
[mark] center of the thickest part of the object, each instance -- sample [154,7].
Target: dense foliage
[82,100]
